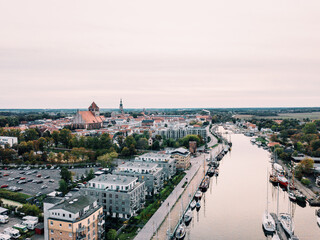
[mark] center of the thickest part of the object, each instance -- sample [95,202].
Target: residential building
[90,119]
[182,157]
[120,196]
[178,132]
[165,161]
[149,173]
[76,218]
[8,141]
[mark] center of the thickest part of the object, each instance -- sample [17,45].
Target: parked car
[39,181]
[4,186]
[29,180]
[44,186]
[39,175]
[6,174]
[46,177]
[10,179]
[22,182]
[23,172]
[22,178]
[51,180]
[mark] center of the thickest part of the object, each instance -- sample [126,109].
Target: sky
[159,54]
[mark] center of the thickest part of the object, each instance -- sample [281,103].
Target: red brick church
[90,119]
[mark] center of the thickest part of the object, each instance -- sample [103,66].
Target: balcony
[101,223]
[81,229]
[81,237]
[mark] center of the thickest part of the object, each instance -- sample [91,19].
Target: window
[122,203]
[88,221]
[60,233]
[110,195]
[70,234]
[116,195]
[69,225]
[122,209]
[94,217]
[51,223]
[69,215]
[63,215]
[51,231]
[60,225]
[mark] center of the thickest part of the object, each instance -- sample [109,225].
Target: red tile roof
[88,117]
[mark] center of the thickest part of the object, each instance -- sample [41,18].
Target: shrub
[305,181]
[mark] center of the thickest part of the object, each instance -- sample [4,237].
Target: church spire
[121,107]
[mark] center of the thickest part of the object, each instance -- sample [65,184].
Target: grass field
[299,116]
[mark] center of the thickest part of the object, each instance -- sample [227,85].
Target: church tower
[121,107]
[94,109]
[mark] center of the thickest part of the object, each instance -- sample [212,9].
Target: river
[233,206]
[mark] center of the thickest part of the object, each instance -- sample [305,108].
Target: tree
[65,137]
[66,175]
[63,187]
[307,165]
[156,145]
[310,128]
[90,175]
[55,136]
[106,160]
[31,134]
[125,151]
[111,234]
[142,143]
[29,209]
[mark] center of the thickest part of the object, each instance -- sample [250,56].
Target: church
[90,119]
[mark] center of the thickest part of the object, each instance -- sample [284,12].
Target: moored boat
[180,232]
[193,204]
[198,205]
[268,222]
[216,172]
[300,197]
[187,217]
[287,223]
[204,185]
[283,181]
[291,196]
[198,195]
[210,171]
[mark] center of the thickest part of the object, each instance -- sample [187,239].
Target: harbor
[241,189]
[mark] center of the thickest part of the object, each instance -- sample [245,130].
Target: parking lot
[33,181]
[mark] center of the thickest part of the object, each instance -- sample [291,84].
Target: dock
[281,233]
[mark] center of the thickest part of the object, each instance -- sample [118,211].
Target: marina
[235,201]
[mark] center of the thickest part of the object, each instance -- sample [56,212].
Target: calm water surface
[233,206]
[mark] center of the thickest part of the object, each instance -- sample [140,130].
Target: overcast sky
[168,53]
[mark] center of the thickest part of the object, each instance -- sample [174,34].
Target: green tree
[29,209]
[66,175]
[31,134]
[55,136]
[156,145]
[63,187]
[142,143]
[65,137]
[106,160]
[111,234]
[90,175]
[307,165]
[310,128]
[125,151]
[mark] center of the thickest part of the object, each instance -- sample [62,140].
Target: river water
[233,206]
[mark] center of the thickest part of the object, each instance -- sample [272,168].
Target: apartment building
[164,161]
[149,173]
[76,218]
[120,196]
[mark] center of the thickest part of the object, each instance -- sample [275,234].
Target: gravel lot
[31,188]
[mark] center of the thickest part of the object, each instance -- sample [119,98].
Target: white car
[10,179]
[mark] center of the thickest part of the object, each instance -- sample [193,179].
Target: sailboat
[267,220]
[187,216]
[193,204]
[198,206]
[180,232]
[287,223]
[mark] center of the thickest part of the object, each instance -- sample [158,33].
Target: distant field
[300,116]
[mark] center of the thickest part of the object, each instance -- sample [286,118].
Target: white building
[8,140]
